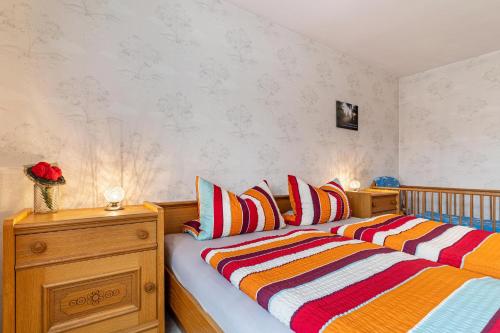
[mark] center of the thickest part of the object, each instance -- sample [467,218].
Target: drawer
[67,245]
[383,203]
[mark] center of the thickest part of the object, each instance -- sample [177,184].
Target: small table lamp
[114,197]
[355,185]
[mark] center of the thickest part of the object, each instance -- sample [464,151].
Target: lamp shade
[114,194]
[354,185]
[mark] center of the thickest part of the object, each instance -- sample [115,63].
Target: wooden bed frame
[188,312]
[479,204]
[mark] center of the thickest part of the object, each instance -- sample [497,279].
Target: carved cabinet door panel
[99,295]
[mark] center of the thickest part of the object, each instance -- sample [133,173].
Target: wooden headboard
[178,212]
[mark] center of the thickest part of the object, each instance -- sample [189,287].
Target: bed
[315,281]
[195,298]
[476,208]
[193,306]
[454,245]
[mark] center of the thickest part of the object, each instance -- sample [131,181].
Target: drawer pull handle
[149,287]
[393,202]
[38,247]
[374,204]
[142,234]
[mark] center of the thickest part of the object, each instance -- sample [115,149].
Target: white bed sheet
[229,307]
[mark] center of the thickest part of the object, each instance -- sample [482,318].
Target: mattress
[182,256]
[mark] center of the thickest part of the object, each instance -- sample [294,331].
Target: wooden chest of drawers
[368,203]
[84,270]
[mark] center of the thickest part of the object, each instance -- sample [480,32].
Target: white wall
[149,94]
[449,130]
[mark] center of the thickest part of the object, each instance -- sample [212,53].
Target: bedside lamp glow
[114,197]
[355,185]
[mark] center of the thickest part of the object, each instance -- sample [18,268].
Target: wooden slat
[424,201]
[462,207]
[413,200]
[471,204]
[418,202]
[432,205]
[406,202]
[448,207]
[410,205]
[454,204]
[481,213]
[440,203]
[491,208]
[494,213]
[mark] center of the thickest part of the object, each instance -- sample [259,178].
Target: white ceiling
[402,36]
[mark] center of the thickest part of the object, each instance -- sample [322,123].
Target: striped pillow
[192,227]
[223,213]
[313,205]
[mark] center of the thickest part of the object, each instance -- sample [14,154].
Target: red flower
[51,174]
[46,171]
[40,169]
[57,172]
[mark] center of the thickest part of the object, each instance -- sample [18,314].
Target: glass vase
[46,199]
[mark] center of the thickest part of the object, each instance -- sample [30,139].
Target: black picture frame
[347,115]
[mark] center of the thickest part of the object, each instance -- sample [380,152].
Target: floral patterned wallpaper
[149,94]
[450,125]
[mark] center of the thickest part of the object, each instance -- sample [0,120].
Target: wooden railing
[472,207]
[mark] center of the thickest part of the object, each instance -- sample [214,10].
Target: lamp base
[113,206]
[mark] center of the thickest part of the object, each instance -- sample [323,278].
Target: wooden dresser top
[80,218]
[378,193]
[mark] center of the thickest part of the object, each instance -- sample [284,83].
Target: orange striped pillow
[223,213]
[313,205]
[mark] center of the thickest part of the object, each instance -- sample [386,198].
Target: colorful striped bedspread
[314,281]
[458,246]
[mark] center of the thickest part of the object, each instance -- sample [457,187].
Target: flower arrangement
[47,178]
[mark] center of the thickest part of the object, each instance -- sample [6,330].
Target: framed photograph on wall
[347,115]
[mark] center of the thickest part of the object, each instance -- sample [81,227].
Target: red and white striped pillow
[223,213]
[312,205]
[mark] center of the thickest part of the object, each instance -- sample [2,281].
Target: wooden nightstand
[84,270]
[368,202]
